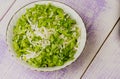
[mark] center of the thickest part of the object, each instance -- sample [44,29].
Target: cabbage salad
[45,36]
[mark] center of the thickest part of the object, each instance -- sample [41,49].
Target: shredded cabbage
[45,36]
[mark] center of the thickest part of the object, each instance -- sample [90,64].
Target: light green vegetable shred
[45,36]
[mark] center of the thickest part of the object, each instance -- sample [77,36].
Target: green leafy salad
[45,36]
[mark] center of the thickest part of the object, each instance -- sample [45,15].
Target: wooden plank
[99,17]
[5,5]
[107,63]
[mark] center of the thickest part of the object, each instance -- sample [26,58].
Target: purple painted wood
[107,63]
[95,14]
[5,7]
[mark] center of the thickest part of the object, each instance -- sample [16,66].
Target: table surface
[101,56]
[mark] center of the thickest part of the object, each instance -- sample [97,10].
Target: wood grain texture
[107,63]
[99,17]
[5,5]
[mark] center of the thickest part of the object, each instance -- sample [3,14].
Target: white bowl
[68,10]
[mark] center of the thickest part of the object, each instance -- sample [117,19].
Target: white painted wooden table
[99,60]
